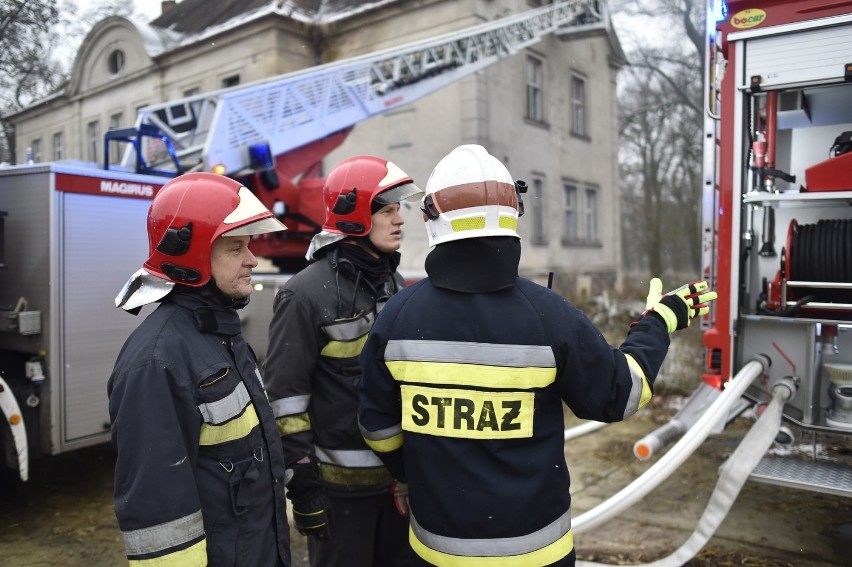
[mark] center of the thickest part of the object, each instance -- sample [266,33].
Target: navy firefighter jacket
[199,477]
[462,396]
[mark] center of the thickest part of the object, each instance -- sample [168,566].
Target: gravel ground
[64,516]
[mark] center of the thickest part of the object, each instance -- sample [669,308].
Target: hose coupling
[788,383]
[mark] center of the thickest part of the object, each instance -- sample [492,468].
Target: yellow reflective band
[481,376]
[193,556]
[508,222]
[467,414]
[293,424]
[469,223]
[340,349]
[385,445]
[234,429]
[371,476]
[636,370]
[544,556]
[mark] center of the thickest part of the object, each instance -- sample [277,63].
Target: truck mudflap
[12,414]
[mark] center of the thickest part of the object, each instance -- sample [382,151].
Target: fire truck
[72,232]
[777,218]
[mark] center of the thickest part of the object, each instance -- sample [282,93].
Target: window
[58,146]
[36,150]
[93,137]
[578,106]
[194,91]
[115,62]
[534,88]
[231,81]
[570,212]
[536,195]
[591,214]
[115,121]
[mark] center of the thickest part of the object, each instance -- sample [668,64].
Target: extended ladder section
[291,110]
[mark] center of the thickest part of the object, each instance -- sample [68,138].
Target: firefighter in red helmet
[465,374]
[199,475]
[342,495]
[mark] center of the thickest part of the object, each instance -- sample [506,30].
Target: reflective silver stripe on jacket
[290,406]
[638,377]
[165,535]
[381,434]
[227,408]
[350,329]
[356,458]
[519,356]
[496,547]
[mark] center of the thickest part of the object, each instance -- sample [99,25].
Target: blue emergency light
[260,156]
[720,10]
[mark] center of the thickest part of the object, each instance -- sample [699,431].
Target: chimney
[167,6]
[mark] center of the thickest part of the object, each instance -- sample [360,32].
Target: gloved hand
[678,307]
[400,498]
[310,504]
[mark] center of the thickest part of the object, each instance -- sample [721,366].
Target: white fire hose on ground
[584,429]
[733,474]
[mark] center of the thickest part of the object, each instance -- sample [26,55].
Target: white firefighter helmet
[470,194]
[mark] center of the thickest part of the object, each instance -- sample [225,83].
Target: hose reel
[820,252]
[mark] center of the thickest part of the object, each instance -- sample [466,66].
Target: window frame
[116,60]
[115,121]
[93,135]
[579,106]
[590,214]
[534,88]
[536,204]
[570,216]
[58,148]
[36,150]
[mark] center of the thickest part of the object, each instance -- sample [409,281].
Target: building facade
[548,112]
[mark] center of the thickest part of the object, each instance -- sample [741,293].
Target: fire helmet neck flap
[355,185]
[186,216]
[471,194]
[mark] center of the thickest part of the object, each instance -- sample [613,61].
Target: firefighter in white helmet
[199,474]
[465,374]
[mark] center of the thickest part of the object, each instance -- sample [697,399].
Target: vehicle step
[818,476]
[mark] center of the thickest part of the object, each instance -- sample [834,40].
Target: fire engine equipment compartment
[778,211]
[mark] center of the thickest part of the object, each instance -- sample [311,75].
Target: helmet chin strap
[212,292]
[367,244]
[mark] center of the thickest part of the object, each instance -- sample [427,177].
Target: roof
[192,17]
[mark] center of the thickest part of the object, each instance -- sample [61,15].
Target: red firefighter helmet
[355,185]
[189,213]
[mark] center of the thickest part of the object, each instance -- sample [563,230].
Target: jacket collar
[475,265]
[210,317]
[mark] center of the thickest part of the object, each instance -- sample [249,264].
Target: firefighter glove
[680,306]
[310,504]
[400,497]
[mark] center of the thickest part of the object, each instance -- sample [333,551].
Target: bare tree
[661,122]
[26,71]
[38,40]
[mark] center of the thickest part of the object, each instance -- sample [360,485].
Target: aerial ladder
[274,131]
